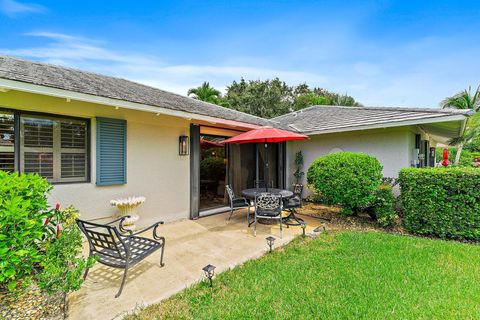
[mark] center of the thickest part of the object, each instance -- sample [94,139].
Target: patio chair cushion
[239,203]
[139,248]
[293,202]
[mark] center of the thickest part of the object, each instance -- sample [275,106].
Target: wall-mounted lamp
[183,145]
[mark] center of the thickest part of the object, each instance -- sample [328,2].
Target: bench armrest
[153,226]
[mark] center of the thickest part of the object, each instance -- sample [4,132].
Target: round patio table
[250,193]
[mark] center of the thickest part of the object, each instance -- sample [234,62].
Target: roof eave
[7,84]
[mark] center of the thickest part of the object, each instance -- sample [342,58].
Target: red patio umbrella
[265,135]
[445,157]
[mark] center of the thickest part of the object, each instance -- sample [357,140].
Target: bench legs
[162,239]
[123,282]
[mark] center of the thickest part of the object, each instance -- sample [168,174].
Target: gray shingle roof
[110,87]
[318,119]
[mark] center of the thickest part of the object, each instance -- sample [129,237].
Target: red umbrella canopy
[265,134]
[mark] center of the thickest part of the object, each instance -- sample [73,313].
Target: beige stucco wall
[391,146]
[154,168]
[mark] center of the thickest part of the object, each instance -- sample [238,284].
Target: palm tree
[463,100]
[206,93]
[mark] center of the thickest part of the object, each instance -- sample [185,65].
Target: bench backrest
[103,239]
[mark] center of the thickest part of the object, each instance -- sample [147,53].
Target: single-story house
[397,137]
[98,138]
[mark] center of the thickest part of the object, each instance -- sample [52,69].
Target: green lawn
[345,275]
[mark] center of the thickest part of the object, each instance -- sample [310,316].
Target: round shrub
[384,206]
[347,179]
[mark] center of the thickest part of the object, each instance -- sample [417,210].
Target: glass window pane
[7,133]
[7,161]
[38,132]
[55,148]
[39,162]
[73,165]
[73,135]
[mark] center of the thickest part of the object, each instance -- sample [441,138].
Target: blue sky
[383,53]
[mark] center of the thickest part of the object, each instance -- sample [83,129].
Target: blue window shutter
[111,151]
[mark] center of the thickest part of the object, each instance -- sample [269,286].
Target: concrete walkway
[190,245]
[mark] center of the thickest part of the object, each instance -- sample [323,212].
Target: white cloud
[13,8]
[418,73]
[93,55]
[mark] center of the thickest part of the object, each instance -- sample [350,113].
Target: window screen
[55,148]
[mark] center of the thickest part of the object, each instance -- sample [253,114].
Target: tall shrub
[23,210]
[36,242]
[347,179]
[442,202]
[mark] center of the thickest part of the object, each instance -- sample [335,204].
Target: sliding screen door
[242,166]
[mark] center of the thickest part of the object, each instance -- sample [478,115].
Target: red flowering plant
[63,263]
[53,222]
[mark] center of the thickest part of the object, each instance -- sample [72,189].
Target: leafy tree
[266,99]
[272,98]
[207,93]
[310,99]
[464,100]
[269,98]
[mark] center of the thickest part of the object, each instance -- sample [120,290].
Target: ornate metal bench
[120,248]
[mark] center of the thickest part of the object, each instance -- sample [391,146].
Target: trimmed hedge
[441,202]
[347,179]
[384,206]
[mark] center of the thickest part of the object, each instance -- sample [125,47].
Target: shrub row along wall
[442,202]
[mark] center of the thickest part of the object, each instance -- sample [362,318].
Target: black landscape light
[209,273]
[270,241]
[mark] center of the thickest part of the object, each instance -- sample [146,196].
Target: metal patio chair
[292,204]
[268,206]
[120,248]
[237,203]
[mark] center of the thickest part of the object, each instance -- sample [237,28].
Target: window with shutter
[7,141]
[55,148]
[111,165]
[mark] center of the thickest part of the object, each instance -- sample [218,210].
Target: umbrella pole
[265,174]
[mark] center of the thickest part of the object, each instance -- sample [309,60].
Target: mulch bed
[30,305]
[332,219]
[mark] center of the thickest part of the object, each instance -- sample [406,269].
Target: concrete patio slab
[190,245]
